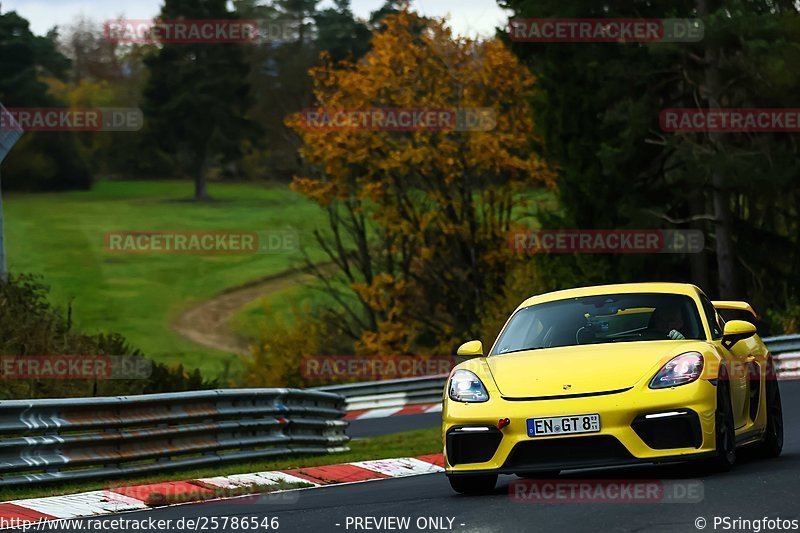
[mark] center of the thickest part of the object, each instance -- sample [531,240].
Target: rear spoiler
[735,306]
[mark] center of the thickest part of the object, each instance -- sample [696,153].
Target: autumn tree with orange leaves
[418,219]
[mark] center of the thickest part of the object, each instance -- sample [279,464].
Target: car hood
[586,369]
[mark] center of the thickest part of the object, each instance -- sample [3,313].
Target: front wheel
[724,429]
[473,483]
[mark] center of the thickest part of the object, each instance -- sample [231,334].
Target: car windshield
[601,319]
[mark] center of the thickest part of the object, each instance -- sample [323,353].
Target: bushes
[277,358]
[46,161]
[785,320]
[42,160]
[30,326]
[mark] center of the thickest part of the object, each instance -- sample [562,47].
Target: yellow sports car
[610,375]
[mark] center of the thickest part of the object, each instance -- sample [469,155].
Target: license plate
[563,425]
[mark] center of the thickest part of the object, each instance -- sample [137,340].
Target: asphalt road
[754,489]
[372,427]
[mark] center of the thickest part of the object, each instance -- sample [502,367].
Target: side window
[711,315]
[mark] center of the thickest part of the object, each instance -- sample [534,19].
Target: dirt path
[206,323]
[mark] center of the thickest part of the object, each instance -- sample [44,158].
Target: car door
[736,360]
[742,359]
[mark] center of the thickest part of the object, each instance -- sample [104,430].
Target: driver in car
[667,320]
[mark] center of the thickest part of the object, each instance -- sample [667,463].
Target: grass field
[250,320]
[407,444]
[62,237]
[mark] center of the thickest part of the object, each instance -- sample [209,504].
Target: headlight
[465,386]
[680,370]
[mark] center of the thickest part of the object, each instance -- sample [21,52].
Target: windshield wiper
[523,350]
[615,339]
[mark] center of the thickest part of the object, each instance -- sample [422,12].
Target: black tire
[549,474]
[772,445]
[473,483]
[724,428]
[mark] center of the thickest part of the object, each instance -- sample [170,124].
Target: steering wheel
[655,335]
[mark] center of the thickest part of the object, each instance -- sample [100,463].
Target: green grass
[252,319]
[407,444]
[61,237]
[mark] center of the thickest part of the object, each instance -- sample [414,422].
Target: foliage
[295,33]
[41,160]
[427,211]
[339,33]
[784,319]
[277,357]
[598,110]
[197,96]
[30,326]
[104,74]
[211,110]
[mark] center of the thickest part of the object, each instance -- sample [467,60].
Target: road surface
[753,490]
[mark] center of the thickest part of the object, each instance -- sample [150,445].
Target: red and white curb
[135,498]
[361,414]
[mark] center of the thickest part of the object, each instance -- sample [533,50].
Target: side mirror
[735,331]
[471,349]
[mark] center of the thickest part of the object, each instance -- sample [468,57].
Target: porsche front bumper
[682,429]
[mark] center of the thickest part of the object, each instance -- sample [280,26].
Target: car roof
[669,288]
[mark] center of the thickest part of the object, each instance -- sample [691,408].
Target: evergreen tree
[198,95]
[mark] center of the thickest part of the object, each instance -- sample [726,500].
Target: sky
[467,17]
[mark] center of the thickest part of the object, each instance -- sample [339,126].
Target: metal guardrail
[398,392]
[785,350]
[783,343]
[391,392]
[85,438]
[788,366]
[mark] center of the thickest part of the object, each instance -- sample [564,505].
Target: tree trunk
[698,263]
[200,191]
[723,218]
[726,254]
